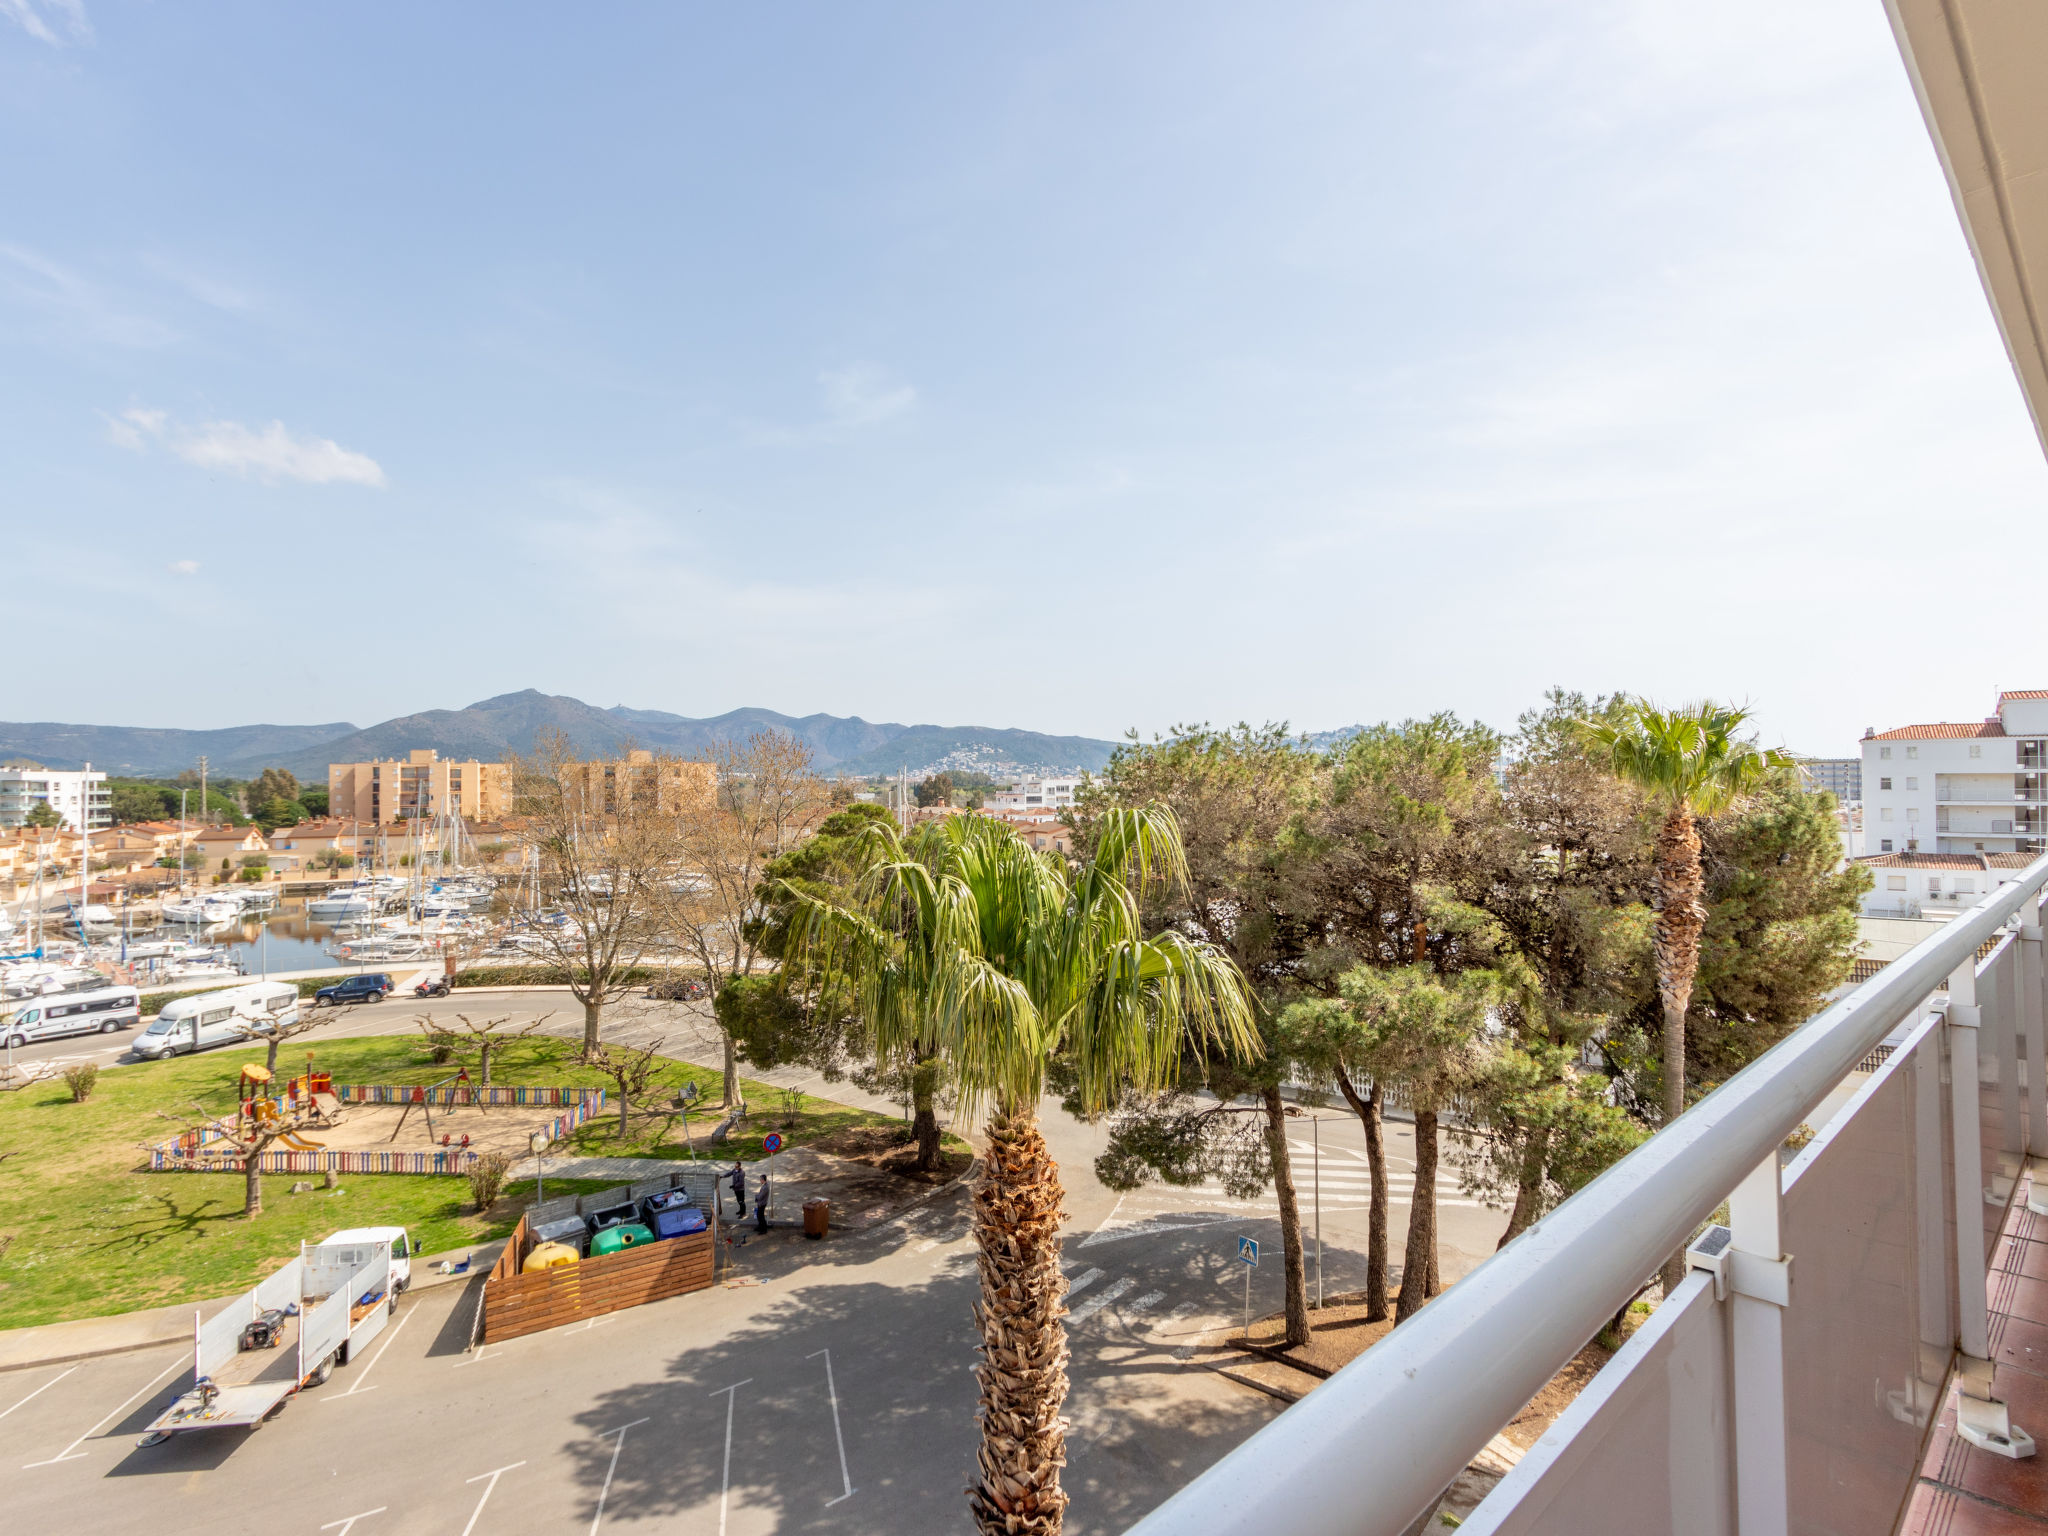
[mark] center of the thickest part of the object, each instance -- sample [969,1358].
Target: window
[1912,751]
[1884,813]
[1934,885]
[1975,750]
[1965,886]
[1912,783]
[1884,752]
[1885,846]
[1884,783]
[1912,813]
[1895,882]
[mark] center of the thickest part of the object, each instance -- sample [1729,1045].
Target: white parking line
[605,1492]
[371,1365]
[725,1481]
[1146,1302]
[845,1477]
[39,1391]
[65,1454]
[488,1487]
[352,1519]
[1082,1281]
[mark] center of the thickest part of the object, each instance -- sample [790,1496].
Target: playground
[431,1127]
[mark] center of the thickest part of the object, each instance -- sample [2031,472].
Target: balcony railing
[1789,1391]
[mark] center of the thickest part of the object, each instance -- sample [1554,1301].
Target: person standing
[738,1179]
[761,1204]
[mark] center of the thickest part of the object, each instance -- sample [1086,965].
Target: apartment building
[80,798]
[1977,786]
[1840,776]
[665,784]
[421,786]
[1934,884]
[1030,793]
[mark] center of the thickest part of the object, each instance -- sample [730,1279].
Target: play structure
[315,1125]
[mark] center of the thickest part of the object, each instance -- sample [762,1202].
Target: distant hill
[138,751]
[490,728]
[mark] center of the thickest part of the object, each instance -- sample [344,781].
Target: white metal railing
[1791,1393]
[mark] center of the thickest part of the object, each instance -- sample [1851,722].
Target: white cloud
[43,20]
[185,567]
[74,304]
[860,394]
[268,454]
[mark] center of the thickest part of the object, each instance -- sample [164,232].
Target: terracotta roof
[2023,693]
[1940,732]
[1929,860]
[2011,860]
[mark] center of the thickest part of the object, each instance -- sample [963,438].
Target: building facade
[665,784]
[1842,777]
[81,798]
[1029,794]
[421,787]
[1976,786]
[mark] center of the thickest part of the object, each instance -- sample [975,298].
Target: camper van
[79,1011]
[232,1016]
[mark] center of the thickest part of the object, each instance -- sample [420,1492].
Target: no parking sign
[772,1143]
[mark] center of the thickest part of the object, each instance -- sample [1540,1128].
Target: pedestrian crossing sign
[1248,1251]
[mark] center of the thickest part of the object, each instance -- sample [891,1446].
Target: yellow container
[548,1256]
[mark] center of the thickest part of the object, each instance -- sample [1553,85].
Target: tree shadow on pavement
[900,1359]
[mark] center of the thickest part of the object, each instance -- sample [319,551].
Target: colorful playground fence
[200,1151]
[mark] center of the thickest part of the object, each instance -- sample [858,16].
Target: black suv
[370,987]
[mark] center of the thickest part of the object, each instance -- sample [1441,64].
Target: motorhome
[231,1016]
[87,1010]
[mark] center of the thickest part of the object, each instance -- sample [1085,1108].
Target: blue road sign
[772,1143]
[1248,1251]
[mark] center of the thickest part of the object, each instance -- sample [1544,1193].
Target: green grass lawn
[87,1233]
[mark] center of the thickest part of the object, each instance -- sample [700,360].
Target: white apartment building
[80,797]
[1030,794]
[1975,787]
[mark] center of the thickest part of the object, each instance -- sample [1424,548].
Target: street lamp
[539,1142]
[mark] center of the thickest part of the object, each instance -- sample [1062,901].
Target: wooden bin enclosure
[516,1304]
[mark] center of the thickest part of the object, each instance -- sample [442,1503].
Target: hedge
[542,975]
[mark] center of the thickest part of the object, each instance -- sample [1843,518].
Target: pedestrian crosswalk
[1339,1177]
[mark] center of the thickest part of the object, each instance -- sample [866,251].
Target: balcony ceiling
[1980,69]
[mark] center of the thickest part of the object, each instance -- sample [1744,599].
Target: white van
[86,1011]
[232,1016]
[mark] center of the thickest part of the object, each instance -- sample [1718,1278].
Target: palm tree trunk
[1023,1342]
[1680,919]
[1294,1273]
[924,1121]
[1367,1108]
[1419,1277]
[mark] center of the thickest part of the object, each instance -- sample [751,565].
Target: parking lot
[748,1408]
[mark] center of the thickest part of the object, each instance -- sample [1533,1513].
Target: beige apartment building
[420,787]
[667,784]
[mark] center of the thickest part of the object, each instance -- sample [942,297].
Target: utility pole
[202,793]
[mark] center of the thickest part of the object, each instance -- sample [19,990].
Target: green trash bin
[612,1239]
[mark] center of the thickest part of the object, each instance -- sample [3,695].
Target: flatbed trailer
[332,1301]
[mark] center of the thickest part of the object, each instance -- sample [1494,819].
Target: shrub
[487,1178]
[254,873]
[440,1046]
[80,1080]
[537,975]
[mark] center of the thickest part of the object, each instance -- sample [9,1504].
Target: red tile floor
[1967,1492]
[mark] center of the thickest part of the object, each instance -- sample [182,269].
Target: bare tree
[633,1071]
[767,799]
[606,845]
[248,1139]
[485,1040]
[274,1034]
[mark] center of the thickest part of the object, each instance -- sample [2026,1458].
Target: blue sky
[1070,367]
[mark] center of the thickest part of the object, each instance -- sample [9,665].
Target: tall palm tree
[966,943]
[1690,763]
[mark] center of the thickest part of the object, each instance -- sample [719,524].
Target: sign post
[1248,1256]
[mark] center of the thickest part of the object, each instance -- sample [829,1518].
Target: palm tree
[1691,764]
[967,944]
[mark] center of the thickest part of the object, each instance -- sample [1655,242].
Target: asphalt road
[716,1411]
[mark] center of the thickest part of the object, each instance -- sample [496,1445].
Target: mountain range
[509,723]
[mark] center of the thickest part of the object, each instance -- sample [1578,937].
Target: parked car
[676,989]
[370,987]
